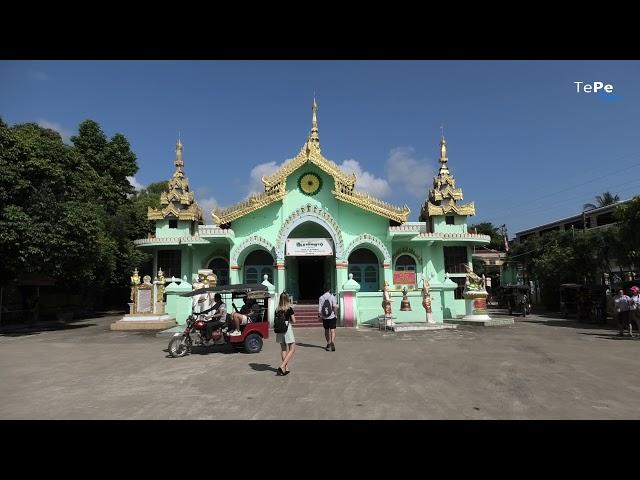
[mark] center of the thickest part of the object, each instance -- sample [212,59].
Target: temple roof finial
[314,138]
[443,146]
[178,162]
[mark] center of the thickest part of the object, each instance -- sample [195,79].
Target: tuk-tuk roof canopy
[251,289]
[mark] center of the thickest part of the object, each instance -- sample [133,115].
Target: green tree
[565,257]
[488,228]
[607,198]
[69,211]
[112,160]
[628,215]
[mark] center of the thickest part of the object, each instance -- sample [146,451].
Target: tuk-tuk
[516,299]
[251,334]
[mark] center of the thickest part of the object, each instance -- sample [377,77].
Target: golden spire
[314,139]
[444,196]
[443,153]
[177,202]
[178,162]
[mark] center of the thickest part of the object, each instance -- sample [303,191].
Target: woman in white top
[622,304]
[286,340]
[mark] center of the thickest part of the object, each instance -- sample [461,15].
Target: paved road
[539,368]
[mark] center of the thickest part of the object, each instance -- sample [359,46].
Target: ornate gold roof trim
[251,204]
[372,204]
[468,209]
[309,153]
[184,198]
[192,213]
[275,185]
[447,192]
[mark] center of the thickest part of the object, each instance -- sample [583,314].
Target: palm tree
[607,198]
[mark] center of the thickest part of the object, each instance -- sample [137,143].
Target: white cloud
[207,205]
[64,133]
[255,185]
[135,183]
[365,181]
[405,171]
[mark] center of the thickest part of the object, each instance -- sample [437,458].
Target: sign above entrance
[309,247]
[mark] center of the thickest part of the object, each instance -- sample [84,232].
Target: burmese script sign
[309,247]
[404,278]
[144,301]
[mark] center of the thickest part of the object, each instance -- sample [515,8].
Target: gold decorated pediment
[373,205]
[308,153]
[222,216]
[192,213]
[468,209]
[445,193]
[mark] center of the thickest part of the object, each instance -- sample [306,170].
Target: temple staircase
[307,315]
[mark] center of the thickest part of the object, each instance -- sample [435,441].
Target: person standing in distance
[327,308]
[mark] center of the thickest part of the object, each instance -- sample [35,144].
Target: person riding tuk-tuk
[202,329]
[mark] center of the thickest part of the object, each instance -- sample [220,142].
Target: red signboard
[404,278]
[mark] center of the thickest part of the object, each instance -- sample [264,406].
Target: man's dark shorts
[329,323]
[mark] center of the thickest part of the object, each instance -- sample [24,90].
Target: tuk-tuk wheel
[253,343]
[179,346]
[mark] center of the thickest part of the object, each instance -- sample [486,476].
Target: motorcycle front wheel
[179,346]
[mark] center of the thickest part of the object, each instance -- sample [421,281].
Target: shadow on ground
[22,330]
[613,336]
[555,322]
[309,345]
[262,367]
[207,350]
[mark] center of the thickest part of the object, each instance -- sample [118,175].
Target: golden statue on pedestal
[426,296]
[161,281]
[386,300]
[135,281]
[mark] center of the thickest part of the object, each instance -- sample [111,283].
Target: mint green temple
[310,226]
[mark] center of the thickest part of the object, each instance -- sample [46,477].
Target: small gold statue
[386,300]
[161,281]
[212,280]
[474,281]
[426,296]
[135,281]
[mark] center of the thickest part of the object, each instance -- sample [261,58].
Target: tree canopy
[69,211]
[496,234]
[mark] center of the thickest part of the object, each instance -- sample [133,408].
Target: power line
[545,196]
[541,207]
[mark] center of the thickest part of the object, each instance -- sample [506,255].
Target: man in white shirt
[622,305]
[327,308]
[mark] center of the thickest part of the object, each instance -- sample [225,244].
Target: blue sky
[523,144]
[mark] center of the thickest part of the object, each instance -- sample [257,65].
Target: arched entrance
[258,264]
[310,262]
[365,267]
[220,268]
